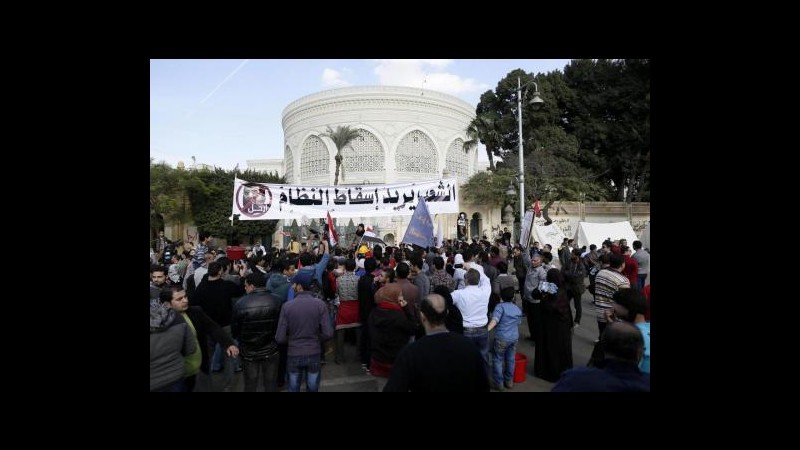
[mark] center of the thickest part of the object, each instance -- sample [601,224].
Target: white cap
[458,259]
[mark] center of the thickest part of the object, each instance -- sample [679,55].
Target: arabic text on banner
[263,201]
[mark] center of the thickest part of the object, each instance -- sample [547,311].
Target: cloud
[333,78]
[425,73]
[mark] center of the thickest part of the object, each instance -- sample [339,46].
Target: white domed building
[405,134]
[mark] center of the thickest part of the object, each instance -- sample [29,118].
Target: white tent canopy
[550,234]
[595,233]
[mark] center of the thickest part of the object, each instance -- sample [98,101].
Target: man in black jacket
[255,319]
[215,295]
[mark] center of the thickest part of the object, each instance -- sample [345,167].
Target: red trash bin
[234,253]
[520,367]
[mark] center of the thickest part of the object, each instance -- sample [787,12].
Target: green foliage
[552,172]
[211,194]
[610,114]
[489,188]
[168,201]
[204,197]
[485,129]
[591,137]
[341,137]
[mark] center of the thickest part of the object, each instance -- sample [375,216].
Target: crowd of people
[422,318]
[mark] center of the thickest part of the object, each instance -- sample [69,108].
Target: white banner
[550,234]
[262,201]
[526,229]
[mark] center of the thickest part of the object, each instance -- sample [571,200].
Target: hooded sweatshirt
[170,339]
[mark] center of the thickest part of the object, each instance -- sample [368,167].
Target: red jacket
[631,270]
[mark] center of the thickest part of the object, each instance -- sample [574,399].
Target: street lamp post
[536,103]
[511,194]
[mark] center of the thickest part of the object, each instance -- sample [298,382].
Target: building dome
[404,134]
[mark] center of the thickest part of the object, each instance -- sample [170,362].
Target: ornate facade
[403,134]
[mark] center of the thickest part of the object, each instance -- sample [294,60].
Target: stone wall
[565,214]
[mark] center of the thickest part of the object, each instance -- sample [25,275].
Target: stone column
[508,220]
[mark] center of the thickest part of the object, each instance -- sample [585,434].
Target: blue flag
[420,229]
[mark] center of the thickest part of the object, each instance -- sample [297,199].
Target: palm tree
[484,129]
[342,136]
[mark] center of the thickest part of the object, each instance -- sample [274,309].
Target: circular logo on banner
[253,199]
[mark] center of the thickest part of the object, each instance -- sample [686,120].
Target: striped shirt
[607,282]
[200,254]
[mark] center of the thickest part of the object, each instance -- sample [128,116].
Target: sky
[225,111]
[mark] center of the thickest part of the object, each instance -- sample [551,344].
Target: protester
[618,371]
[440,361]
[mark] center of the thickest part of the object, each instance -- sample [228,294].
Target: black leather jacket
[255,320]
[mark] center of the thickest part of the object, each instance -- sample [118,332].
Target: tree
[609,112]
[341,137]
[489,188]
[603,106]
[168,201]
[484,129]
[553,171]
[210,196]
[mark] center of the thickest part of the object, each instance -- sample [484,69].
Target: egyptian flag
[332,238]
[536,208]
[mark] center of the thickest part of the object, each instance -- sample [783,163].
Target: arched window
[314,159]
[388,238]
[457,161]
[416,153]
[363,154]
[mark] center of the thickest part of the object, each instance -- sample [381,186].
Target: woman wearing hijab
[390,327]
[554,353]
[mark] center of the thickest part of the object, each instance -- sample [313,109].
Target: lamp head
[536,102]
[511,192]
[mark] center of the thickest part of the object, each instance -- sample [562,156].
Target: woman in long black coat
[554,352]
